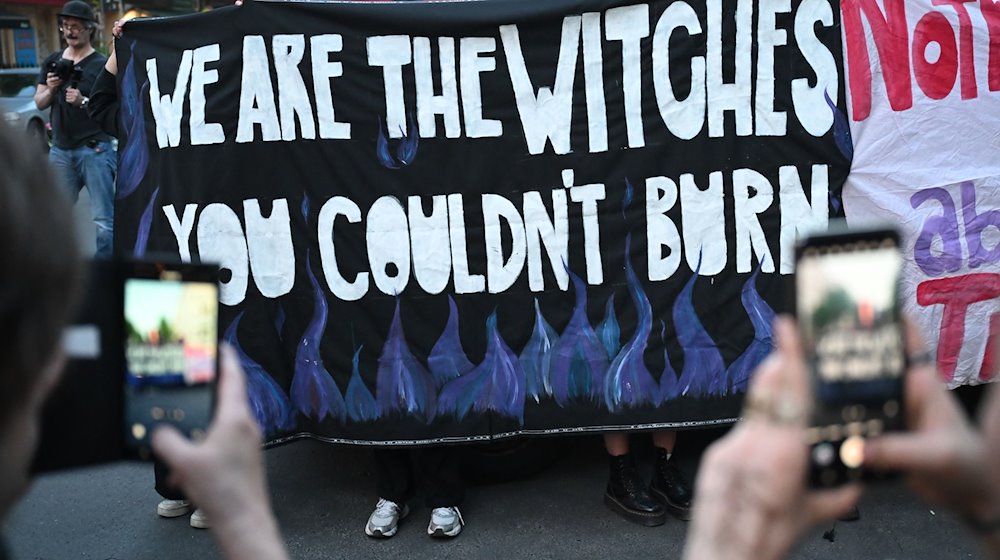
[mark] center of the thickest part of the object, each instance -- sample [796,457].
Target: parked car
[17,105]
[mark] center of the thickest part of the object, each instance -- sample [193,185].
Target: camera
[66,71]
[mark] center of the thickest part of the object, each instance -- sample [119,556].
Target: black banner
[462,220]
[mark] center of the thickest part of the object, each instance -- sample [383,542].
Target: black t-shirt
[71,127]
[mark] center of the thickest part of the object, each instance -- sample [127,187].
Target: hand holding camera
[65,71]
[74,97]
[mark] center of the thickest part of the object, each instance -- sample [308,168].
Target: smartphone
[171,343]
[848,307]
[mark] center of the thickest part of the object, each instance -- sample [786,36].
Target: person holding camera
[39,288]
[82,154]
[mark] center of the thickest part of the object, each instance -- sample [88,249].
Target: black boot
[628,496]
[671,487]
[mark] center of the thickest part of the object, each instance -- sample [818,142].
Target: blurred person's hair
[39,268]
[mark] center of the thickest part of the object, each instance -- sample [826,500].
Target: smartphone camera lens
[891,408]
[823,454]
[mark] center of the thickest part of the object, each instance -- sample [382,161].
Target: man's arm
[43,93]
[48,86]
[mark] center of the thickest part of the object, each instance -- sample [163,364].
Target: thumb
[904,451]
[170,446]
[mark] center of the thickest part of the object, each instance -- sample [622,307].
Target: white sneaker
[446,522]
[384,521]
[199,520]
[172,508]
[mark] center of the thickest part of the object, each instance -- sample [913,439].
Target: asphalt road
[323,494]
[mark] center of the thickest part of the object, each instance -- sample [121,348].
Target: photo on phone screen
[171,349]
[847,293]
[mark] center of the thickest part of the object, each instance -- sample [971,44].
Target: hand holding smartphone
[171,350]
[847,302]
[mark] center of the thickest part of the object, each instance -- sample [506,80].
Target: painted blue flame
[841,129]
[305,206]
[382,149]
[145,223]
[403,384]
[130,101]
[279,322]
[702,362]
[270,406]
[835,203]
[668,379]
[608,331]
[628,382]
[536,357]
[497,384]
[627,199]
[134,158]
[314,392]
[762,317]
[447,359]
[580,360]
[407,149]
[361,405]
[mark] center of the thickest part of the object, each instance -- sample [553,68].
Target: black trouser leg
[440,476]
[160,474]
[394,474]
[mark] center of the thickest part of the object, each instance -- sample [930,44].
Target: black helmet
[80,10]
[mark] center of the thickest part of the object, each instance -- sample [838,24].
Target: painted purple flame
[702,362]
[536,357]
[627,199]
[841,130]
[134,152]
[314,392]
[268,402]
[406,152]
[497,384]
[762,317]
[129,97]
[835,204]
[580,360]
[403,384]
[447,359]
[279,322]
[608,331]
[628,382]
[382,149]
[134,157]
[361,405]
[145,223]
[668,379]
[305,206]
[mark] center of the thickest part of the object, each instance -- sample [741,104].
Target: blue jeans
[95,168]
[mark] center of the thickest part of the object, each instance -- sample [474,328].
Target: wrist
[247,519]
[250,533]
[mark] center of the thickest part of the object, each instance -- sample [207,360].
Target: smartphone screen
[847,300]
[171,350]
